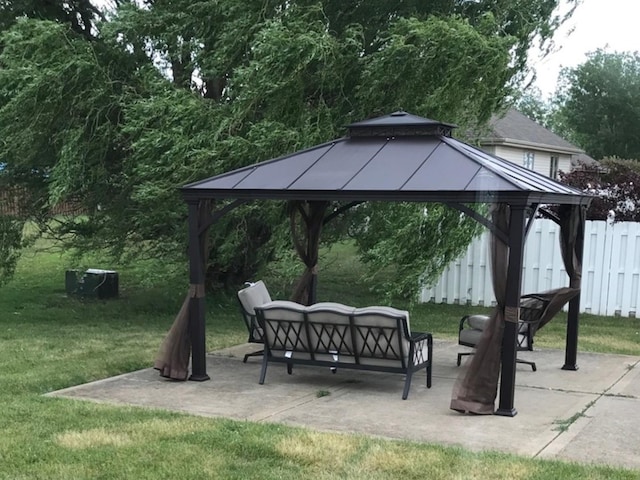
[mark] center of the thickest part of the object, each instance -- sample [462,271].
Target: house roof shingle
[514,128]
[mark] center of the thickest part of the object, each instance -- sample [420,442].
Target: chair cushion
[470,336]
[477,321]
[253,296]
[531,309]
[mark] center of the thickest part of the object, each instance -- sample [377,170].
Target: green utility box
[93,282]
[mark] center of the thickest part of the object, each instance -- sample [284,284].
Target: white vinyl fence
[610,271]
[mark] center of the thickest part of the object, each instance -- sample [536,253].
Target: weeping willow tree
[159,93]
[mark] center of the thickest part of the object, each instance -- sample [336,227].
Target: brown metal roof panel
[520,176]
[528,178]
[487,181]
[335,169]
[446,169]
[225,181]
[394,164]
[281,174]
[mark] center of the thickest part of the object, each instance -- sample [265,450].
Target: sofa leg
[263,372]
[429,360]
[289,368]
[407,385]
[253,354]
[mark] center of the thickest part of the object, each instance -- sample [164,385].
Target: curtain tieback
[511,314]
[196,290]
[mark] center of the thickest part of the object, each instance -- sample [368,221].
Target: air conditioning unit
[93,282]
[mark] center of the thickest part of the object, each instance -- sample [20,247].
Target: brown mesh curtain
[476,387]
[571,220]
[172,359]
[306,219]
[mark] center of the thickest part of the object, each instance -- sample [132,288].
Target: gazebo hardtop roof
[399,157]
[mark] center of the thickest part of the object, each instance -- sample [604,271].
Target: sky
[612,25]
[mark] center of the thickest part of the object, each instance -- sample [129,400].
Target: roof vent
[400,124]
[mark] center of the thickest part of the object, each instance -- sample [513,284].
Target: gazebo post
[197,305]
[573,315]
[512,307]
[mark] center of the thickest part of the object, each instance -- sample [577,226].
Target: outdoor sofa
[340,336]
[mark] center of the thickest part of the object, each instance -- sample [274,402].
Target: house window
[527,160]
[553,166]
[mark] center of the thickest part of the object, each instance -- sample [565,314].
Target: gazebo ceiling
[399,157]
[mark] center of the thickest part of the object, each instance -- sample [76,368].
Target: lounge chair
[532,308]
[252,296]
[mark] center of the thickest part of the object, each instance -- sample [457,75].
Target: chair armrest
[463,320]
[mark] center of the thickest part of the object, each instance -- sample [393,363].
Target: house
[515,137]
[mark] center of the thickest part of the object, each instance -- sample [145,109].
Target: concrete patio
[598,405]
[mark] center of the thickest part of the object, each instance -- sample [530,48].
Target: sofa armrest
[417,342]
[420,336]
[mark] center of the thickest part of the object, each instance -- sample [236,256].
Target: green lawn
[49,341]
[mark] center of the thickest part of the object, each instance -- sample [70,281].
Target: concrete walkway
[592,415]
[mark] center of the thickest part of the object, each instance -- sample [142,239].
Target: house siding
[542,162]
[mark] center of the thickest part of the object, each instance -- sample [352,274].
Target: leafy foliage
[408,244]
[116,117]
[599,105]
[79,15]
[615,186]
[531,104]
[10,245]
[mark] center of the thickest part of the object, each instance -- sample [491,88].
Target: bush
[615,184]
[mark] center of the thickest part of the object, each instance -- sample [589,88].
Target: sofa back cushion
[382,335]
[284,332]
[330,331]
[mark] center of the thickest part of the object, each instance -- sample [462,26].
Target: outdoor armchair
[532,308]
[252,296]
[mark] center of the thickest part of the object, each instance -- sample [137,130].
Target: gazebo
[401,158]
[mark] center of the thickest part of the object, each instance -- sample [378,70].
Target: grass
[49,341]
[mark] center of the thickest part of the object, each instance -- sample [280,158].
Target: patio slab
[602,397]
